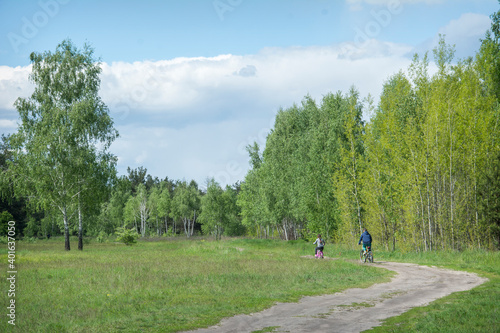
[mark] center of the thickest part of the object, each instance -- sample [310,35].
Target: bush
[101,237]
[127,236]
[5,217]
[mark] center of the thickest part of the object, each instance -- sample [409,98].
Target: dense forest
[422,173]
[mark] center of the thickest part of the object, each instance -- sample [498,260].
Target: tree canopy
[60,152]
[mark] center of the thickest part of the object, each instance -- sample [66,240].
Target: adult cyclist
[366,238]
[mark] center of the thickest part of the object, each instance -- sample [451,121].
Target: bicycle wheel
[362,257]
[370,256]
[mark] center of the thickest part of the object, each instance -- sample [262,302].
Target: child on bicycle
[367,240]
[321,244]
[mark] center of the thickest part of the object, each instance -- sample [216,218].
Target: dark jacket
[365,237]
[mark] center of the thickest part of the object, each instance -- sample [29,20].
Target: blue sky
[190,83]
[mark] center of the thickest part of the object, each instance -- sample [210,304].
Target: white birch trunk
[66,228]
[186,226]
[80,225]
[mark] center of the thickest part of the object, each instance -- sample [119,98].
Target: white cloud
[166,86]
[222,110]
[197,151]
[247,71]
[205,87]
[465,33]
[13,84]
[192,117]
[8,124]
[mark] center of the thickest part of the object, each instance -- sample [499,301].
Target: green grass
[476,310]
[267,329]
[165,286]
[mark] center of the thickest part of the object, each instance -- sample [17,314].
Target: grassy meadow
[166,285]
[170,285]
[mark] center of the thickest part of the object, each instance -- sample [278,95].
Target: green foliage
[126,236]
[488,57]
[185,205]
[347,177]
[429,145]
[101,237]
[144,203]
[290,190]
[219,213]
[68,167]
[422,174]
[5,217]
[112,212]
[490,200]
[255,157]
[32,228]
[267,329]
[32,239]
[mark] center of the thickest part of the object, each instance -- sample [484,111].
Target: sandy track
[355,310]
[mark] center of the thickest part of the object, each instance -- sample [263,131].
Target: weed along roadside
[181,285]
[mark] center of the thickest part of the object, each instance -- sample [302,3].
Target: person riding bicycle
[367,240]
[321,244]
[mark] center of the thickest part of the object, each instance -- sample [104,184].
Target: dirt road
[355,310]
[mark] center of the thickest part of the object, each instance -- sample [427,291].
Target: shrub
[101,237]
[5,217]
[127,236]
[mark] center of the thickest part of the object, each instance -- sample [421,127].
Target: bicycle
[319,254]
[363,257]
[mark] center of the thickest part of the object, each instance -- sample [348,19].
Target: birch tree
[63,121]
[348,173]
[185,205]
[164,206]
[215,210]
[143,208]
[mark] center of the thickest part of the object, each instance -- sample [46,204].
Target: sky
[191,83]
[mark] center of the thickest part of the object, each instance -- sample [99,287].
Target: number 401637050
[11,243]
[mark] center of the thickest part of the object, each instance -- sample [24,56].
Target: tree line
[422,173]
[154,207]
